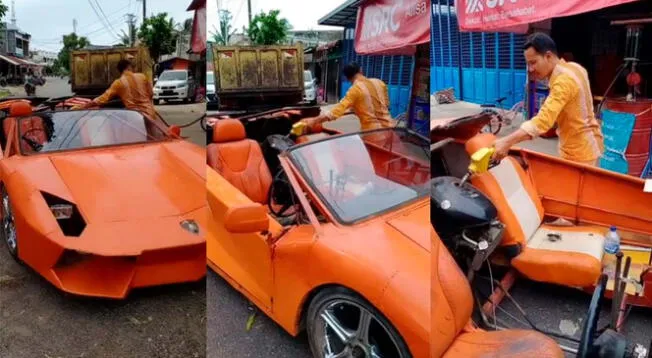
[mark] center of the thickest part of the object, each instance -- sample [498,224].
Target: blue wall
[491,64]
[396,71]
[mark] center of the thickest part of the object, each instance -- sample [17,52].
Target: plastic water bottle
[612,241]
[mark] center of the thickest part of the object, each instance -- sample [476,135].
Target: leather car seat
[452,330]
[573,258]
[32,126]
[239,160]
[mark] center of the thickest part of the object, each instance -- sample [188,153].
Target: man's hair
[351,70]
[541,43]
[123,64]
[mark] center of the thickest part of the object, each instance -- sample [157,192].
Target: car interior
[245,152]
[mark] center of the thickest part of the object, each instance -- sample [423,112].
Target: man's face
[539,66]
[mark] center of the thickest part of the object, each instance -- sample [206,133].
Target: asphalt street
[38,321]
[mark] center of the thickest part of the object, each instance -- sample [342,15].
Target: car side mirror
[246,219]
[174,131]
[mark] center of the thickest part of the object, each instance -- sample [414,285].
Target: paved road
[38,321]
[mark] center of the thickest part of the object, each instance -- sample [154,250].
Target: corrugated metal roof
[344,15]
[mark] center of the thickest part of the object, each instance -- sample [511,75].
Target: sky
[48,20]
[302,14]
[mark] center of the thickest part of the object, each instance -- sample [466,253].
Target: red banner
[392,27]
[492,15]
[198,39]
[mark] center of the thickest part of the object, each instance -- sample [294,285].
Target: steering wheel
[29,139]
[591,322]
[279,179]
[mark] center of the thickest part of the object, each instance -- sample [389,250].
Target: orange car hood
[128,183]
[413,223]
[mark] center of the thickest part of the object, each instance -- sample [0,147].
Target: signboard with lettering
[392,27]
[488,15]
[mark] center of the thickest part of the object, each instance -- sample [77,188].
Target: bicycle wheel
[516,110]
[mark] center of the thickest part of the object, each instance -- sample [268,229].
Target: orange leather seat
[569,256]
[239,160]
[453,333]
[31,127]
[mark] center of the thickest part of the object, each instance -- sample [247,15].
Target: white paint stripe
[517,197]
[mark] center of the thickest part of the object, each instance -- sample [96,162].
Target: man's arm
[339,109]
[108,94]
[561,92]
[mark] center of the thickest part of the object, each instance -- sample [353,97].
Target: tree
[71,43]
[268,29]
[3,10]
[222,36]
[159,34]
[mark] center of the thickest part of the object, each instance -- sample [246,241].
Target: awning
[198,38]
[392,27]
[496,15]
[9,60]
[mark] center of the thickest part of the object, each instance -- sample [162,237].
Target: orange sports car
[326,232]
[99,202]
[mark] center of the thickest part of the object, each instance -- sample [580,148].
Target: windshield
[209,78]
[364,174]
[73,130]
[173,76]
[307,76]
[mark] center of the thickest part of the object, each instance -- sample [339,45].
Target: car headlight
[181,86]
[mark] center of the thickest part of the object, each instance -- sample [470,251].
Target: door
[246,259]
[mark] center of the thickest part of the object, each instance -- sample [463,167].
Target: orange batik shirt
[136,93]
[570,105]
[369,100]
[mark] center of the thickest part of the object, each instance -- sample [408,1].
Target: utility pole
[249,8]
[144,9]
[131,20]
[74,26]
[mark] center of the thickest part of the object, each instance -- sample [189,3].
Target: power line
[99,17]
[103,14]
[111,16]
[90,2]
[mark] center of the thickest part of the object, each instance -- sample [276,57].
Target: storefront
[389,40]
[606,37]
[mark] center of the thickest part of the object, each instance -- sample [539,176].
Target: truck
[258,77]
[93,70]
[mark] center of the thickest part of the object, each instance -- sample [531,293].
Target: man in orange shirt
[569,105]
[367,97]
[134,89]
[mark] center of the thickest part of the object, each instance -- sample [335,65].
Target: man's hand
[501,149]
[312,121]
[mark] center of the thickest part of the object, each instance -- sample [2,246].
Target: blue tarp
[617,129]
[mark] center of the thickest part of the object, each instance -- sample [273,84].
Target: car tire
[13,251]
[157,102]
[340,295]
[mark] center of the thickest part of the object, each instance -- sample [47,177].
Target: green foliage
[3,10]
[268,29]
[222,36]
[159,34]
[71,42]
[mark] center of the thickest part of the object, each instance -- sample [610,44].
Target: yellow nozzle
[480,160]
[298,128]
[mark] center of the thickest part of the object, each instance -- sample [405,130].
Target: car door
[243,258]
